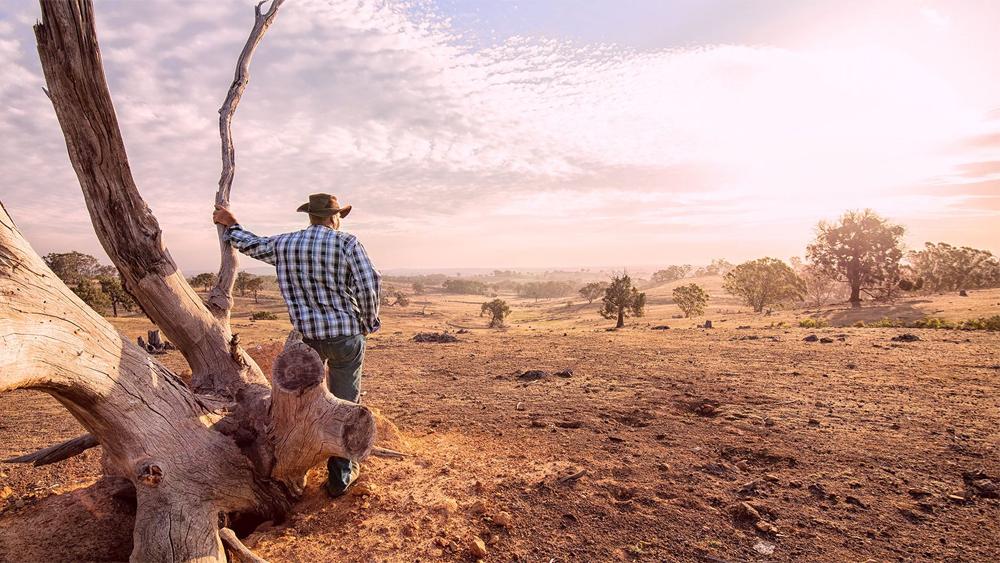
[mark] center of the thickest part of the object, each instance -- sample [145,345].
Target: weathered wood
[240,551]
[58,452]
[220,298]
[231,445]
[126,228]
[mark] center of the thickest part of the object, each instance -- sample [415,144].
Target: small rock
[6,492]
[906,338]
[743,465]
[566,373]
[478,547]
[533,375]
[503,519]
[767,528]
[478,507]
[19,503]
[811,338]
[825,340]
[747,513]
[449,506]
[764,548]
[364,489]
[813,422]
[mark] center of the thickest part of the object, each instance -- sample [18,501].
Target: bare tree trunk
[232,444]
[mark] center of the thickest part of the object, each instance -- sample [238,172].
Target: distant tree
[861,249]
[401,299]
[593,290]
[672,273]
[242,281]
[545,289]
[944,267]
[113,289]
[253,286]
[74,267]
[691,298]
[622,299]
[205,280]
[92,295]
[418,288]
[763,282]
[468,287]
[820,287]
[498,310]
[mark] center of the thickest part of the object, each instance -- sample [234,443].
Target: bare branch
[220,299]
[58,452]
[234,545]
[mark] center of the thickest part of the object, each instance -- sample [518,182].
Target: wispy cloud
[434,136]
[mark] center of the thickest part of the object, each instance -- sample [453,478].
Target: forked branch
[220,299]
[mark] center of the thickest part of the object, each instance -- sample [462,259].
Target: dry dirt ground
[728,444]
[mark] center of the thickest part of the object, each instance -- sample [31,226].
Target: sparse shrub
[764,282]
[263,316]
[886,323]
[814,323]
[860,324]
[982,323]
[933,322]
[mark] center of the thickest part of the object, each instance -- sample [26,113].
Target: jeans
[343,356]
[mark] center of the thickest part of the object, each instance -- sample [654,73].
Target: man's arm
[367,287]
[261,248]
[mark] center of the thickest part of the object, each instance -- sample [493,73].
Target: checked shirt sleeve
[261,248]
[367,286]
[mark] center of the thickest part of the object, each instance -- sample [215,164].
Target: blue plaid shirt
[325,275]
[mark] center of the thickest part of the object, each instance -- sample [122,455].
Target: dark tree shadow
[83,525]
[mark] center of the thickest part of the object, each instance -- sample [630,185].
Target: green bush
[982,323]
[886,323]
[933,322]
[263,316]
[860,324]
[813,323]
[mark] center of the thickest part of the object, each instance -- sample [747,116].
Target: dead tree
[229,444]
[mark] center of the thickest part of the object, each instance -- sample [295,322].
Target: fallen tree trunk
[232,444]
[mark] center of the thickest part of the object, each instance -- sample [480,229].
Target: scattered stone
[569,424]
[906,338]
[855,501]
[19,503]
[985,486]
[364,489]
[811,338]
[708,324]
[963,293]
[660,327]
[746,513]
[478,547]
[539,423]
[565,374]
[705,409]
[767,528]
[443,337]
[478,507]
[503,519]
[744,327]
[813,422]
[825,340]
[764,548]
[743,465]
[449,506]
[919,492]
[6,493]
[770,477]
[532,375]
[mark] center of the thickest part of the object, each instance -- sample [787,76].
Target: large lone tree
[861,249]
[225,446]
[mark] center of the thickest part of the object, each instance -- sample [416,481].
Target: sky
[533,134]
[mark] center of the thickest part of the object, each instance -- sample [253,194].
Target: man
[332,291]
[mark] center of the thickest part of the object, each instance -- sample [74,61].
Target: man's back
[325,275]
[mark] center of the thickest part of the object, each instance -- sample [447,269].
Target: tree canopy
[622,299]
[691,299]
[763,282]
[498,311]
[862,249]
[943,267]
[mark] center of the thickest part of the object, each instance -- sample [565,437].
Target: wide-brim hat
[324,205]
